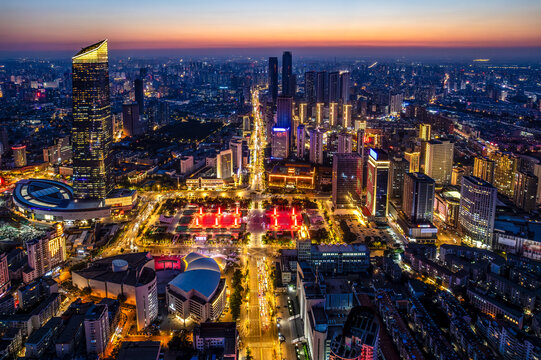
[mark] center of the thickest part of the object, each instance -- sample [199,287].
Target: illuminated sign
[373,154]
[277,129]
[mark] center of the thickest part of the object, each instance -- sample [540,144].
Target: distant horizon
[433,53]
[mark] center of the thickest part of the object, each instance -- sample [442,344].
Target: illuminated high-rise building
[320,107]
[439,160]
[333,114]
[425,132]
[92,126]
[224,164]
[273,78]
[360,142]
[235,144]
[316,146]
[456,176]
[346,116]
[19,155]
[377,184]
[45,253]
[345,143]
[483,168]
[505,167]
[280,142]
[346,179]
[399,167]
[303,112]
[301,141]
[287,74]
[414,159]
[477,210]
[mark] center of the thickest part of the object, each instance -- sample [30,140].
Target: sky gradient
[28,25]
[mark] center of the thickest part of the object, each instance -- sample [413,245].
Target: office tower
[525,191]
[316,146]
[477,211]
[344,87]
[345,143]
[284,111]
[301,141]
[270,109]
[425,132]
[333,114]
[377,183]
[398,169]
[224,164]
[346,116]
[303,112]
[395,103]
[186,165]
[4,274]
[287,71]
[19,155]
[138,85]
[322,88]
[334,87]
[483,168]
[97,331]
[236,149]
[418,197]
[439,160]
[246,124]
[303,249]
[456,176]
[505,166]
[310,87]
[45,253]
[346,179]
[414,159]
[131,120]
[360,142]
[273,78]
[91,131]
[320,108]
[280,143]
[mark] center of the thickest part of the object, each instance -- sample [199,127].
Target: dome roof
[192,256]
[204,263]
[202,274]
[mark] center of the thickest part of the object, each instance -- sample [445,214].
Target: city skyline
[33,26]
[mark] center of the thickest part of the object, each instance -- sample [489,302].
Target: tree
[249,354]
[86,291]
[121,298]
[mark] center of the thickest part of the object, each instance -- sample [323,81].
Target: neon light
[276,129]
[373,154]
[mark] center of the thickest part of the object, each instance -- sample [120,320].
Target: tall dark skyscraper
[287,70]
[346,179]
[139,95]
[322,88]
[418,197]
[334,87]
[131,121]
[91,132]
[284,109]
[273,78]
[310,88]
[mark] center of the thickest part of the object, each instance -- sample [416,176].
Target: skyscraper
[310,87]
[280,142]
[19,155]
[92,128]
[224,164]
[320,107]
[418,197]
[301,141]
[303,112]
[138,85]
[424,132]
[273,78]
[322,88]
[333,114]
[334,87]
[360,142]
[525,192]
[45,253]
[483,168]
[235,145]
[477,210]
[316,146]
[505,166]
[346,178]
[287,70]
[345,143]
[344,87]
[131,121]
[399,167]
[439,160]
[377,183]
[284,111]
[346,116]
[414,159]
